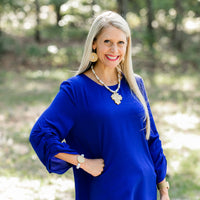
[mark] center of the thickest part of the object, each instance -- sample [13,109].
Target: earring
[93,57]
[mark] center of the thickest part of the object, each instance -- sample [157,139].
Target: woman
[104,116]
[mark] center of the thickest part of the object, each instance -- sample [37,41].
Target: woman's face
[110,47]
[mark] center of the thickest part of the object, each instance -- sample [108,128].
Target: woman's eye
[107,41]
[121,42]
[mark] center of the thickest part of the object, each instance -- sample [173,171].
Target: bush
[34,50]
[7,44]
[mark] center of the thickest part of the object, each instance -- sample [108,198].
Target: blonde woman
[104,116]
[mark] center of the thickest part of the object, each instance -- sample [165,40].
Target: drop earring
[93,57]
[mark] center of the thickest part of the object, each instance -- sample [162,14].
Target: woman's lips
[112,58]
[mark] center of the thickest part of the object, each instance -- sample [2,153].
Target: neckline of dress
[94,82]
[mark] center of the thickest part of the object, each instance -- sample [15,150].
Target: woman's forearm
[70,158]
[164,191]
[91,166]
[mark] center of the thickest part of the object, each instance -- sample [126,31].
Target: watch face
[81,159]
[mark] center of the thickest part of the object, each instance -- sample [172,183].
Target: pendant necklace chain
[116,97]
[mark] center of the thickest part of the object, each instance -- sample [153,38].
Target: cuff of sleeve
[56,165]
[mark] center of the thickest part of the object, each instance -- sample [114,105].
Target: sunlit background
[41,44]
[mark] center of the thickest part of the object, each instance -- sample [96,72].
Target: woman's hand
[164,194]
[93,166]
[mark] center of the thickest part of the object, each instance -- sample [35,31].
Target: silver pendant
[116,98]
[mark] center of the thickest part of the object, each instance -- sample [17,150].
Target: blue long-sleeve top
[83,119]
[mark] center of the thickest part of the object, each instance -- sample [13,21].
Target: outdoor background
[41,44]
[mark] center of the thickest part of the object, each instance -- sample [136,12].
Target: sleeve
[52,128]
[154,143]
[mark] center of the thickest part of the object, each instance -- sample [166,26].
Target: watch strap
[162,185]
[78,165]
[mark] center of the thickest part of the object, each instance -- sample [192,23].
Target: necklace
[116,97]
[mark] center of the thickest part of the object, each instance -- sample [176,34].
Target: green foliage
[189,57]
[57,3]
[7,44]
[34,50]
[165,5]
[184,183]
[34,72]
[136,5]
[63,33]
[51,31]
[107,5]
[75,34]
[24,95]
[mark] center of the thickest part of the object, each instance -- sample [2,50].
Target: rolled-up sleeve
[52,128]
[154,143]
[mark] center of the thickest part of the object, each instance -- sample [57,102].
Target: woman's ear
[94,45]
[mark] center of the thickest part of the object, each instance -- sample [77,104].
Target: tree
[57,5]
[92,5]
[150,18]
[3,4]
[122,7]
[37,28]
[177,35]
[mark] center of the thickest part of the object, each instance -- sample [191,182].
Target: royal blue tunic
[83,119]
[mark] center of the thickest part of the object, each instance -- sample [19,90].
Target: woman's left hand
[164,194]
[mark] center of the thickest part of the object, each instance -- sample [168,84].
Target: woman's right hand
[93,166]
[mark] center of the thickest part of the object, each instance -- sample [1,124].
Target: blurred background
[41,44]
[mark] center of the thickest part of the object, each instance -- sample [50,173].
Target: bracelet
[78,166]
[80,160]
[163,185]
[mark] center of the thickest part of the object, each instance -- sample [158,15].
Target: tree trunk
[58,15]
[92,4]
[1,32]
[122,7]
[177,35]
[150,18]
[37,28]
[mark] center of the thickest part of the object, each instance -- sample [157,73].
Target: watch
[163,185]
[80,159]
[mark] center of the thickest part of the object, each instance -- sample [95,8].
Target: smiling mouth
[112,58]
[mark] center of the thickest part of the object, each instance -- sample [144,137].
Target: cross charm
[116,98]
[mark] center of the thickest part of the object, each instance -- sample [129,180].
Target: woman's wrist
[85,164]
[163,185]
[163,191]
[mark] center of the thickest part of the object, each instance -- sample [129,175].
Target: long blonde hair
[104,20]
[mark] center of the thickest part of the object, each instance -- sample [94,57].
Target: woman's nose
[114,48]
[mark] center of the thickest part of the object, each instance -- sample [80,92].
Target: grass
[25,94]
[26,90]
[172,81]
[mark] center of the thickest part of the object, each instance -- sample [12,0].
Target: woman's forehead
[112,32]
